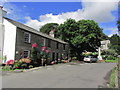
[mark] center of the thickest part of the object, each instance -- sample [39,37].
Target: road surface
[61,76]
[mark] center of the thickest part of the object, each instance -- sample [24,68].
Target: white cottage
[16,40]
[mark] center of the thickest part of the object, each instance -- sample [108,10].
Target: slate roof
[105,42]
[27,28]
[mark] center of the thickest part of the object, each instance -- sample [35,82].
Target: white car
[92,58]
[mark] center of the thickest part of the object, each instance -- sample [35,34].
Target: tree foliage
[115,43]
[118,23]
[48,27]
[84,35]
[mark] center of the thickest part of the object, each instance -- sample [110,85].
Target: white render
[9,41]
[99,54]
[2,14]
[104,44]
[1,41]
[51,33]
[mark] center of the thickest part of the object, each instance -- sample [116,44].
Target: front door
[53,56]
[57,57]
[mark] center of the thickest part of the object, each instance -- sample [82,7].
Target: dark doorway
[53,56]
[57,57]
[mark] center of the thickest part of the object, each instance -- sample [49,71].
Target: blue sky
[36,14]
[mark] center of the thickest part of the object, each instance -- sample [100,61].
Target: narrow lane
[61,76]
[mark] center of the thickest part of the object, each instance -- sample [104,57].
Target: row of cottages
[18,39]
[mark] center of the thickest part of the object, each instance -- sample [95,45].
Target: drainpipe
[2,30]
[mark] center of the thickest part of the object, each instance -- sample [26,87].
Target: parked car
[91,58]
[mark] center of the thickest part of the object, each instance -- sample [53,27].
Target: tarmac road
[61,76]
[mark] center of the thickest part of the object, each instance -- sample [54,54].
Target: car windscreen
[94,56]
[87,56]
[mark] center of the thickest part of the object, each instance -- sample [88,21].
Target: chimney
[2,14]
[52,34]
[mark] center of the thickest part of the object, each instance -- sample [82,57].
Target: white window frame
[43,41]
[29,37]
[28,53]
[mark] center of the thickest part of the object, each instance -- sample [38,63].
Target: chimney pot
[1,6]
[2,14]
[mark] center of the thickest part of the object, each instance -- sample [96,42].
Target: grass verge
[112,78]
[112,61]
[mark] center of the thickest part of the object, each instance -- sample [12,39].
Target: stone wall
[21,45]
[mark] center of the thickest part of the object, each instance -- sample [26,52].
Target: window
[27,37]
[26,53]
[63,46]
[49,43]
[57,45]
[43,41]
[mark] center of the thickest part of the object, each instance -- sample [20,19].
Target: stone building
[18,39]
[105,44]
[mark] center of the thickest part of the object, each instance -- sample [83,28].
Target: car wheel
[90,61]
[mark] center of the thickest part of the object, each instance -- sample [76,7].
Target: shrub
[110,58]
[20,64]
[74,58]
[108,52]
[24,66]
[30,66]
[6,68]
[26,60]
[16,64]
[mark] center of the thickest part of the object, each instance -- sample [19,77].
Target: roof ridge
[18,24]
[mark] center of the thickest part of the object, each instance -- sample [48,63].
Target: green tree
[115,44]
[105,37]
[48,27]
[84,35]
[118,23]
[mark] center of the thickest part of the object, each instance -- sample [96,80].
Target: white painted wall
[2,14]
[9,40]
[1,41]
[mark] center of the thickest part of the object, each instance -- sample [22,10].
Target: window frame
[49,43]
[64,47]
[29,37]
[57,45]
[43,41]
[24,53]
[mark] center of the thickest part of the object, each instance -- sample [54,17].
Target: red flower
[47,51]
[16,67]
[34,45]
[43,48]
[52,62]
[10,62]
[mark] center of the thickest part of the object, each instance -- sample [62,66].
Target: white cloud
[33,23]
[24,6]
[98,11]
[13,11]
[112,31]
